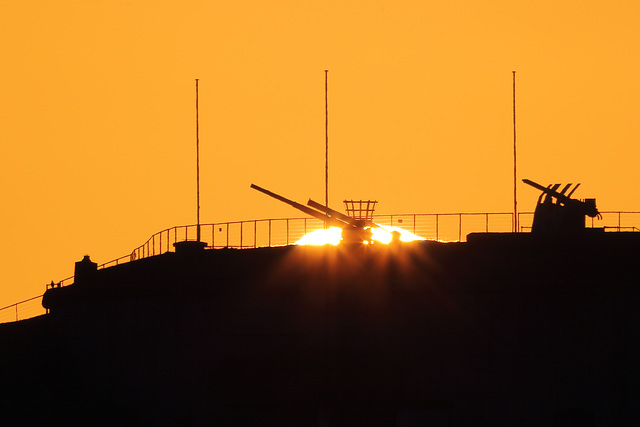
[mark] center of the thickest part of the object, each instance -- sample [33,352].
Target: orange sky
[97,124]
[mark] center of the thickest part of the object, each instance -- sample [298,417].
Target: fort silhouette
[523,329]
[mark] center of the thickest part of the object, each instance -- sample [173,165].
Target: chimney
[86,270]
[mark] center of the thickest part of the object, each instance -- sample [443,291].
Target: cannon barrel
[333,213]
[589,208]
[560,196]
[314,213]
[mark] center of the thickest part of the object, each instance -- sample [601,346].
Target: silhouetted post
[197,167]
[326,139]
[515,196]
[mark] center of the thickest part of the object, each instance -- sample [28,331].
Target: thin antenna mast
[515,195]
[326,140]
[197,165]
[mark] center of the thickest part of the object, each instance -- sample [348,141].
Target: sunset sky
[97,128]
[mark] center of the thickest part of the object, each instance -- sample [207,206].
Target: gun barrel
[588,208]
[561,197]
[314,213]
[335,214]
[535,185]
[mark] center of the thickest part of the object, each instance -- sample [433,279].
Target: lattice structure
[361,209]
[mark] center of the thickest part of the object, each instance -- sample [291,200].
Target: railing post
[437,219]
[255,234]
[16,312]
[460,227]
[520,225]
[241,227]
[227,234]
[269,233]
[486,224]
[414,223]
[619,221]
[287,231]
[391,220]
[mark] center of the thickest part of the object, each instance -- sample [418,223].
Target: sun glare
[384,235]
[333,236]
[330,236]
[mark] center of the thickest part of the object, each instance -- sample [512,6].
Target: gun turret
[353,229]
[558,212]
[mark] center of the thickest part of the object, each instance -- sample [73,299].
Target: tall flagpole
[515,195]
[197,165]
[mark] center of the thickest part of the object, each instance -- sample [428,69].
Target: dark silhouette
[355,228]
[559,213]
[527,329]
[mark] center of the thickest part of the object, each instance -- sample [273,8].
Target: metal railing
[26,309]
[444,227]
[611,221]
[286,231]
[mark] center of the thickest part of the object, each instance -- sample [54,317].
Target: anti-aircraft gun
[355,229]
[557,212]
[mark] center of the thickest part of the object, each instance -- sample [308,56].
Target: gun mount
[354,230]
[558,212]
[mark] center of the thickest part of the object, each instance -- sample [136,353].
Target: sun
[379,234]
[329,236]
